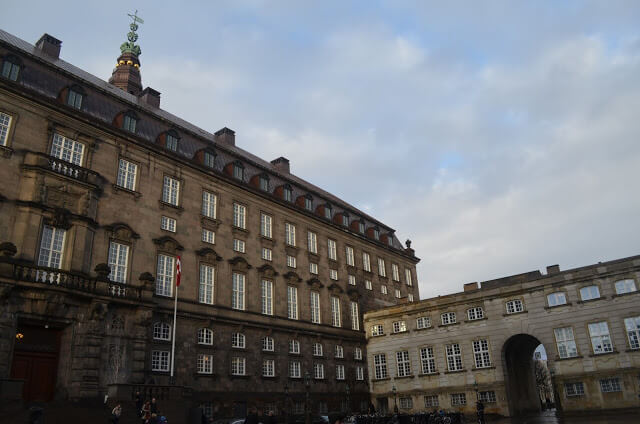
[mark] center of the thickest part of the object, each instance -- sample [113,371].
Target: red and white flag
[178,271]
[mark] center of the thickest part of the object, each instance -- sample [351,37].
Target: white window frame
[118,260]
[5,128]
[267,297]
[458,399]
[427,360]
[408,277]
[162,331]
[481,353]
[294,369]
[292,302]
[204,363]
[366,261]
[208,236]
[610,385]
[238,291]
[238,341]
[266,225]
[336,318]
[383,289]
[267,344]
[600,336]
[171,191]
[267,254]
[403,363]
[291,261]
[556,299]
[207,284]
[565,342]
[475,313]
[399,326]
[68,150]
[338,351]
[332,249]
[160,360]
[357,353]
[238,365]
[52,247]
[165,274]
[315,307]
[350,256]
[628,285]
[431,401]
[313,268]
[239,216]
[359,373]
[382,269]
[590,293]
[239,246]
[574,389]
[209,204]
[395,272]
[339,372]
[127,174]
[294,347]
[333,274]
[268,368]
[632,326]
[377,330]
[168,224]
[423,322]
[448,318]
[290,234]
[205,336]
[380,366]
[317,349]
[368,285]
[514,306]
[318,371]
[312,242]
[454,357]
[355,316]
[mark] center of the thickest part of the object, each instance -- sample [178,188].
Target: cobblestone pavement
[549,417]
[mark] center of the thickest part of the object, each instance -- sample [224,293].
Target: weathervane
[130,46]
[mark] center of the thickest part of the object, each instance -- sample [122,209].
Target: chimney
[553,269]
[281,164]
[49,45]
[151,97]
[227,136]
[471,286]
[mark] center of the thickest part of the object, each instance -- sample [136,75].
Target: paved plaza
[549,417]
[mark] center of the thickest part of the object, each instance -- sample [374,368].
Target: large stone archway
[520,381]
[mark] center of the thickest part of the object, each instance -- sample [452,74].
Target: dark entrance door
[35,360]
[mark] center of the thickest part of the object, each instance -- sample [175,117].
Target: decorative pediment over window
[315,283]
[292,277]
[335,289]
[240,263]
[353,294]
[121,231]
[61,219]
[209,254]
[168,244]
[268,270]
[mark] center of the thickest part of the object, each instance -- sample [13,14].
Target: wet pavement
[549,417]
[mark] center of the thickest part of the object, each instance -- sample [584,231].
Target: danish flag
[178,271]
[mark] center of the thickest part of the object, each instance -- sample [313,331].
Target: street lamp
[475,387]
[395,398]
[286,403]
[307,386]
[556,396]
[348,390]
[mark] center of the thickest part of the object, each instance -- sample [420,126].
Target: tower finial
[130,46]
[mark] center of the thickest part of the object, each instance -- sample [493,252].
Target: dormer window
[327,211]
[209,159]
[75,97]
[376,233]
[11,68]
[345,219]
[171,141]
[264,182]
[129,122]
[390,239]
[287,193]
[238,171]
[361,227]
[308,203]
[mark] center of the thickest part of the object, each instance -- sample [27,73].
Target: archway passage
[520,380]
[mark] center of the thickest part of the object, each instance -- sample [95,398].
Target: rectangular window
[290,234]
[382,270]
[291,261]
[514,306]
[399,326]
[350,257]
[292,302]
[361,227]
[209,204]
[608,385]
[317,349]
[383,289]
[5,125]
[287,194]
[267,254]
[454,357]
[428,360]
[357,354]
[475,313]
[209,160]
[448,318]
[487,397]
[238,341]
[205,337]
[407,277]
[405,402]
[589,293]
[207,276]
[171,191]
[377,330]
[127,173]
[318,371]
[171,142]
[312,242]
[339,372]
[410,297]
[294,347]
[565,342]
[355,317]
[333,274]
[458,399]
[574,389]
[351,279]
[332,250]
[380,366]
[633,331]
[625,286]
[129,123]
[398,294]
[239,216]
[238,366]
[423,322]
[431,401]
[208,236]
[67,150]
[267,297]
[366,262]
[205,364]
[164,275]
[600,340]
[160,360]
[294,369]
[308,204]
[395,273]
[338,351]
[403,363]
[168,224]
[267,344]
[239,245]
[315,307]
[74,99]
[264,183]
[238,171]
[556,299]
[336,320]
[266,225]
[359,373]
[237,299]
[313,268]
[268,368]
[368,285]
[481,353]
[118,261]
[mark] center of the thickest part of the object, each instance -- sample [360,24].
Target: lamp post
[556,396]
[348,390]
[395,398]
[475,387]
[307,387]
[286,403]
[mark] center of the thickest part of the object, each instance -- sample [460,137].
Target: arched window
[345,219]
[161,331]
[209,159]
[205,336]
[238,340]
[361,226]
[287,193]
[75,96]
[328,211]
[11,68]
[308,202]
[238,170]
[171,140]
[264,182]
[130,122]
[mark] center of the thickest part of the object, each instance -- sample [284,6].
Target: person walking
[139,403]
[145,414]
[115,414]
[154,406]
[480,411]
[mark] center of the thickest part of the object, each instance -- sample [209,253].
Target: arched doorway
[520,380]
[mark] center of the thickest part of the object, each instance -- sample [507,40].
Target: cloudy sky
[500,136]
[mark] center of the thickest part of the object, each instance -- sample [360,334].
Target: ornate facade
[103,191]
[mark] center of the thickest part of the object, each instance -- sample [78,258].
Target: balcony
[61,167]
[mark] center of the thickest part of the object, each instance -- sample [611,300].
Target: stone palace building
[103,191]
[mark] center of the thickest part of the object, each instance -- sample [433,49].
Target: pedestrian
[145,414]
[154,406]
[115,414]
[270,419]
[480,410]
[252,417]
[139,402]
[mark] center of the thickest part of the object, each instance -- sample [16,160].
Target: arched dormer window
[171,140]
[11,68]
[287,193]
[308,202]
[264,182]
[75,96]
[328,211]
[238,170]
[130,121]
[376,233]
[390,239]
[345,219]
[361,226]
[209,158]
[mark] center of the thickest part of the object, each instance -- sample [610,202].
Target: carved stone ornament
[292,277]
[61,219]
[335,289]
[353,294]
[315,283]
[240,263]
[121,231]
[168,244]
[268,270]
[208,254]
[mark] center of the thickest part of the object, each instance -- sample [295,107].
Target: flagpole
[173,337]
